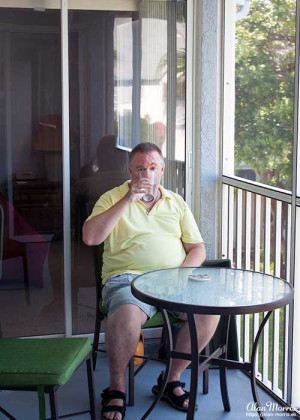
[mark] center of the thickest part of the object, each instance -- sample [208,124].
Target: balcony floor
[74,397]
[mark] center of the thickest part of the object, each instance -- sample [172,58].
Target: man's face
[143,164]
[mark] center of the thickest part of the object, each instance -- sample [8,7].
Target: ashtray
[199,277]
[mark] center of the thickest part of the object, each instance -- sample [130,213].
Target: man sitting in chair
[140,236]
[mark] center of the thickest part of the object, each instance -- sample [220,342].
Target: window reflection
[120,96]
[30,172]
[97,165]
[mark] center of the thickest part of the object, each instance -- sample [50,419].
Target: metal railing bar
[286,312]
[285,353]
[257,229]
[267,238]
[256,188]
[277,243]
[225,220]
[230,223]
[288,243]
[275,358]
[246,333]
[267,249]
[255,331]
[247,224]
[238,329]
[239,224]
[276,315]
[248,230]
[257,221]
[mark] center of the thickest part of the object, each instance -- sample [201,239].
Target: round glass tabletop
[212,290]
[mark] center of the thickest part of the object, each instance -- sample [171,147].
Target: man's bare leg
[122,335]
[206,326]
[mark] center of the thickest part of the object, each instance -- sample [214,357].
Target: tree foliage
[265,62]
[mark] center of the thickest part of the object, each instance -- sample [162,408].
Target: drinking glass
[149,196]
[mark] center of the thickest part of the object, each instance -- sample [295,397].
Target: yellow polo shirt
[143,241]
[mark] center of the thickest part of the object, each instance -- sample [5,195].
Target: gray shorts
[117,291]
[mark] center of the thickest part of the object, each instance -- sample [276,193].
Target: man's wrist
[129,197]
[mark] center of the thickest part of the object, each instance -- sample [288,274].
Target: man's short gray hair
[145,148]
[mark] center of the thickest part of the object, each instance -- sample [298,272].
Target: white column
[207,79]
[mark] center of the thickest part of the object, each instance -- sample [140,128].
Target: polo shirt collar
[165,193]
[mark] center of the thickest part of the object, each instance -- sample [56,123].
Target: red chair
[11,248]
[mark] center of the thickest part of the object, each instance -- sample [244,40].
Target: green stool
[43,365]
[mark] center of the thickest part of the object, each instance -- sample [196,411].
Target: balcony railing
[256,235]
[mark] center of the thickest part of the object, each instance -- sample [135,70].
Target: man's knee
[128,312]
[207,322]
[203,320]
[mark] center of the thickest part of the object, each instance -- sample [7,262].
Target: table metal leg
[169,349]
[223,369]
[6,413]
[252,363]
[194,366]
[194,358]
[224,389]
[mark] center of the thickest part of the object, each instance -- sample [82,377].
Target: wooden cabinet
[39,203]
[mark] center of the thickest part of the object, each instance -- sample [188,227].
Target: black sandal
[107,396]
[176,401]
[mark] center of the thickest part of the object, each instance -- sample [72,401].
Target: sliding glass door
[126,83]
[30,173]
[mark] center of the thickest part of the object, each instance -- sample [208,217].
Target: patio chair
[43,365]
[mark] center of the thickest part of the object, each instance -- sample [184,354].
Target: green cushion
[155,321]
[103,309]
[46,361]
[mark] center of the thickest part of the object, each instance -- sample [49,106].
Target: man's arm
[97,229]
[195,254]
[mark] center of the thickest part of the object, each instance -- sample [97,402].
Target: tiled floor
[73,397]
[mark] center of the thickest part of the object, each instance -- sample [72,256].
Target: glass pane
[119,96]
[150,83]
[264,92]
[96,164]
[31,257]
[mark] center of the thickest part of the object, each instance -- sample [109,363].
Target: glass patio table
[211,291]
